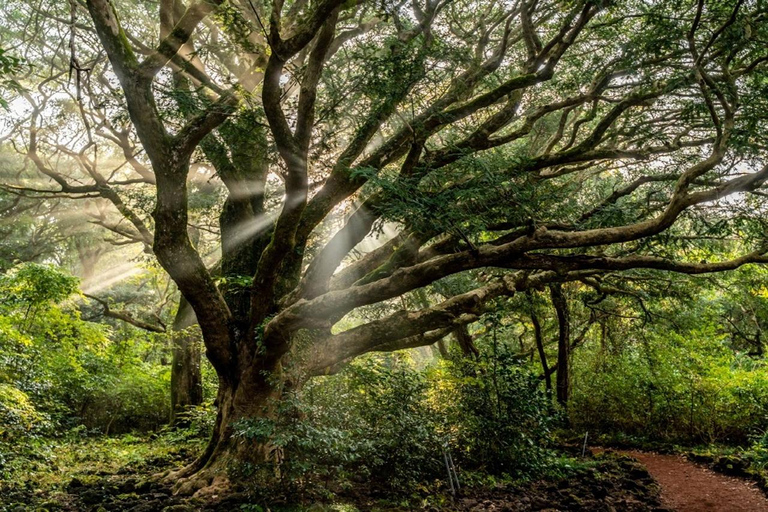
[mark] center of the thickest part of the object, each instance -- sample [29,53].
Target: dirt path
[688,487]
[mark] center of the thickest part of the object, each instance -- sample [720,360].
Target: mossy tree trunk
[186,374]
[563,381]
[242,400]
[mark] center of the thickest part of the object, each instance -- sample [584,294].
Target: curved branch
[126,316]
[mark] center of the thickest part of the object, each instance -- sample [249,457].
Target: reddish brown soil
[689,487]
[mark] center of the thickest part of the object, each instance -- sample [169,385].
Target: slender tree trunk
[186,377]
[465,341]
[442,349]
[88,257]
[563,343]
[542,354]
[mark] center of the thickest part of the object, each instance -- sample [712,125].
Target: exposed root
[171,477]
[188,471]
[203,484]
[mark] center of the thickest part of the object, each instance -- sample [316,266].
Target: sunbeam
[111,276]
[248,230]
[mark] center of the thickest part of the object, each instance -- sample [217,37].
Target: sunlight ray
[111,276]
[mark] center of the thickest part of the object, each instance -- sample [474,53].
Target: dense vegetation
[684,377]
[321,249]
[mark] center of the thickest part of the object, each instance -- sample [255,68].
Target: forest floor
[609,485]
[104,476]
[112,476]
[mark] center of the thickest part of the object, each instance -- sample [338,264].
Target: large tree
[514,145]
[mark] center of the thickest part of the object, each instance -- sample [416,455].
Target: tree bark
[465,341]
[186,376]
[251,393]
[442,349]
[563,343]
[540,348]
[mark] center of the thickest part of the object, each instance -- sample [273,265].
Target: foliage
[51,463]
[194,424]
[34,286]
[495,415]
[58,371]
[386,422]
[371,423]
[9,65]
[686,387]
[18,416]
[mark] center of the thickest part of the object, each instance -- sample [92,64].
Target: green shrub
[195,423]
[18,417]
[385,422]
[688,389]
[71,370]
[495,415]
[370,421]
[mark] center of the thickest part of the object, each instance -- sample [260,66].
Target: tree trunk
[563,343]
[186,377]
[542,354]
[466,343]
[251,393]
[442,349]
